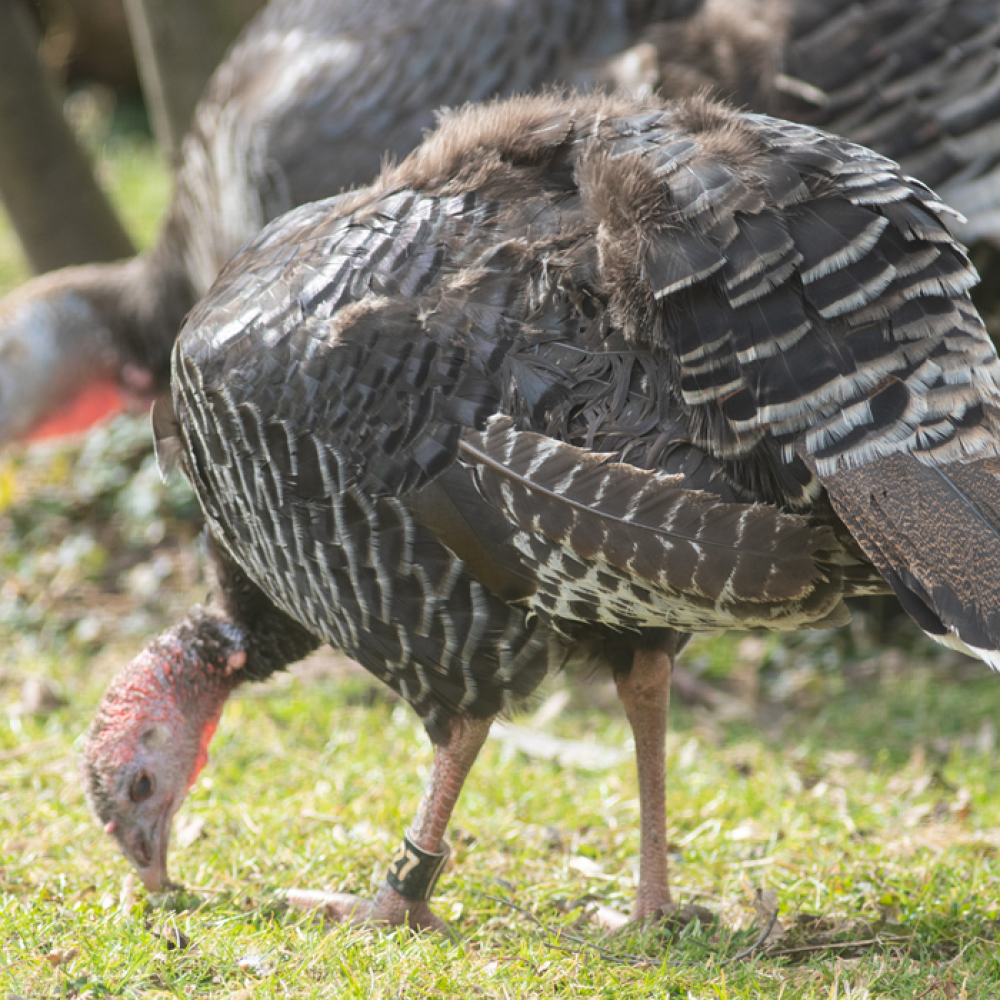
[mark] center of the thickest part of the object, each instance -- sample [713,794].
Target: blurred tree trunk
[84,41]
[61,215]
[178,43]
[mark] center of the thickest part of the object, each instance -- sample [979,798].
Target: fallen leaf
[608,918]
[587,867]
[172,937]
[256,962]
[962,806]
[61,956]
[765,905]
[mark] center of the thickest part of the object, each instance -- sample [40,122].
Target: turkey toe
[338,907]
[388,908]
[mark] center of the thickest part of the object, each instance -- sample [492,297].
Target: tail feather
[934,534]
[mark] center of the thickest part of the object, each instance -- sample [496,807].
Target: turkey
[309,101]
[915,80]
[581,376]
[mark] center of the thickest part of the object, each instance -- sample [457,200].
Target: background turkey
[316,93]
[310,100]
[576,379]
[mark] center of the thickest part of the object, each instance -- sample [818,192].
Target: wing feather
[581,515]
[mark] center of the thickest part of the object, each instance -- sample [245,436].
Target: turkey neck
[271,639]
[191,670]
[157,294]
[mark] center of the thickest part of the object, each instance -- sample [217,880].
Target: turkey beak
[146,848]
[154,877]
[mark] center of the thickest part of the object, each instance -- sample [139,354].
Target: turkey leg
[644,691]
[452,762]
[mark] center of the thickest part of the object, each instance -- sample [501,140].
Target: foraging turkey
[915,80]
[581,376]
[310,100]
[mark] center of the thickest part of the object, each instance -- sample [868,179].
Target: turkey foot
[404,898]
[388,907]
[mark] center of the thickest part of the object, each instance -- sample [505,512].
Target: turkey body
[582,376]
[764,324]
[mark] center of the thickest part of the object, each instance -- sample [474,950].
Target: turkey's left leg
[644,691]
[404,897]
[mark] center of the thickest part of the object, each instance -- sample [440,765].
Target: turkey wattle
[309,102]
[579,377]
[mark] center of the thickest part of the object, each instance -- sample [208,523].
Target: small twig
[746,952]
[588,946]
[952,961]
[933,986]
[865,942]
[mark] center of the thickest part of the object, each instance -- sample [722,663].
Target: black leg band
[414,872]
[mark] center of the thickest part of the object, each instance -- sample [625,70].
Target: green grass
[13,267]
[859,783]
[889,841]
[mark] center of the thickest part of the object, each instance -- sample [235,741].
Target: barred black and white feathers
[611,544]
[582,366]
[915,80]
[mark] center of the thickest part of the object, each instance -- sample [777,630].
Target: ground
[848,781]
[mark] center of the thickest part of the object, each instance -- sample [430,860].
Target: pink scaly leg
[644,691]
[452,763]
